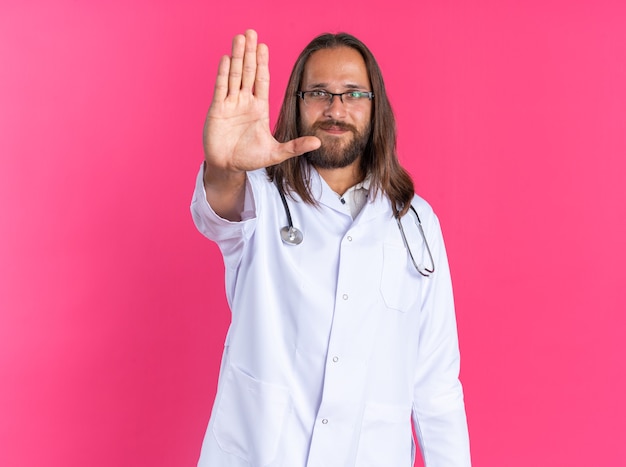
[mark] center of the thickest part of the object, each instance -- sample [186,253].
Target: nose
[335,107]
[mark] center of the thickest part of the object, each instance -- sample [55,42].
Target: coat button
[324,421]
[345,296]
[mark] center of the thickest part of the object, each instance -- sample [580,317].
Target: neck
[340,180]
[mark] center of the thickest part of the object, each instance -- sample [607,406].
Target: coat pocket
[400,283]
[250,417]
[386,437]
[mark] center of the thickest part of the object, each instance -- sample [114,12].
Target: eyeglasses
[326,98]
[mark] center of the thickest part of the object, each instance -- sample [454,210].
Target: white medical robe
[335,344]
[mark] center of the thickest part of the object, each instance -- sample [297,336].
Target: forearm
[225,191]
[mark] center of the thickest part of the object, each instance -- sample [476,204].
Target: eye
[353,95]
[318,95]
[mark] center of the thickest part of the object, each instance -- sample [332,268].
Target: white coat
[335,344]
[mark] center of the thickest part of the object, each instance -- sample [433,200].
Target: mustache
[328,124]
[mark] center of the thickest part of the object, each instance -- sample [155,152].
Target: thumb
[298,146]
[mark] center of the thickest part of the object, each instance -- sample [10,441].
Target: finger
[249,61]
[236,65]
[221,82]
[262,81]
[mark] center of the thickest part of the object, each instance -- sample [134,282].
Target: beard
[334,153]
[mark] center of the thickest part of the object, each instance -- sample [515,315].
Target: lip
[334,130]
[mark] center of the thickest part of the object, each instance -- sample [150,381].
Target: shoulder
[422,206]
[427,215]
[260,184]
[258,177]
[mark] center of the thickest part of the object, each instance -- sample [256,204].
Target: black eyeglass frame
[331,95]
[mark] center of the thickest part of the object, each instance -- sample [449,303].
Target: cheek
[307,117]
[362,118]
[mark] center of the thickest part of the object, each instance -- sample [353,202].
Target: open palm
[237,134]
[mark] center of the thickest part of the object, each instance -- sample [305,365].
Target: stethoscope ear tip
[291,235]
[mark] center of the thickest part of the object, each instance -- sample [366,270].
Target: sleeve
[438,406]
[231,237]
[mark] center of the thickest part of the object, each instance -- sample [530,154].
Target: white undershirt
[355,198]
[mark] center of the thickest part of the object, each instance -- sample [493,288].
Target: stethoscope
[293,236]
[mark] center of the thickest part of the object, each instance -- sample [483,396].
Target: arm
[438,407]
[237,136]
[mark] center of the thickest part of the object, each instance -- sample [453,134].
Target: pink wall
[512,117]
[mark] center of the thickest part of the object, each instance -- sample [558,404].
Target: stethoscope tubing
[293,236]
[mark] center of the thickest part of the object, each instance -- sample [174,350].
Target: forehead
[340,66]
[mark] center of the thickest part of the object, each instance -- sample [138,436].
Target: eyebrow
[346,86]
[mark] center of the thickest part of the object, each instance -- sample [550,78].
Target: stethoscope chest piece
[291,235]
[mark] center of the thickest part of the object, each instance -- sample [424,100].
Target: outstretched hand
[237,136]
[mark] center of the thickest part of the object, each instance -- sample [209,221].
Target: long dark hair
[379,159]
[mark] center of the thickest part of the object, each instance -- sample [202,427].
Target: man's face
[343,128]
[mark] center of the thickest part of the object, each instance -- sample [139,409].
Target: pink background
[511,116]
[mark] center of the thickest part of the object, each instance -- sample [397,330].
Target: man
[343,326]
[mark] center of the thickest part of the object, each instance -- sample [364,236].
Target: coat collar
[379,206]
